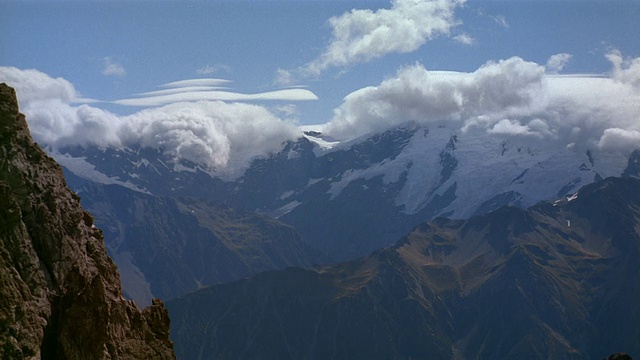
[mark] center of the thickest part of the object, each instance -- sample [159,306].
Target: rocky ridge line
[61,293]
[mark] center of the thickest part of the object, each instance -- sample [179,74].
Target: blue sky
[157,42]
[304,56]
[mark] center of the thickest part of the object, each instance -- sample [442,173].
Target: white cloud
[287,110]
[557,62]
[423,96]
[616,138]
[112,68]
[212,69]
[625,70]
[536,128]
[216,95]
[196,82]
[57,124]
[180,90]
[363,35]
[464,39]
[192,90]
[510,98]
[33,85]
[283,77]
[221,136]
[500,20]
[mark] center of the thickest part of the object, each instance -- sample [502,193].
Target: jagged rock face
[633,166]
[556,281]
[61,293]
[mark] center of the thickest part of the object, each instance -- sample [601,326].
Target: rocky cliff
[60,294]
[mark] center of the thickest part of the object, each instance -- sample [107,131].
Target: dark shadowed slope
[558,281]
[166,247]
[60,292]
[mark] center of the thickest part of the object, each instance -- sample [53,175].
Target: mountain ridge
[168,246]
[551,281]
[61,292]
[402,176]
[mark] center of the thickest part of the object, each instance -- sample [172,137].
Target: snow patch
[292,154]
[314,134]
[82,168]
[286,194]
[486,165]
[285,209]
[179,167]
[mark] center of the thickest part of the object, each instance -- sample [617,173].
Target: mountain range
[559,280]
[168,246]
[526,252]
[402,176]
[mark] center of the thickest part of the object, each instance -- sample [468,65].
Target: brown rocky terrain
[61,296]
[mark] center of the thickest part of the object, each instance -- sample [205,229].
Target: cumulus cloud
[33,85]
[56,124]
[363,35]
[625,70]
[535,128]
[557,62]
[510,98]
[616,138]
[416,94]
[112,68]
[221,136]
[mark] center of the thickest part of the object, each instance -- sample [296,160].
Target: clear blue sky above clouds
[226,81]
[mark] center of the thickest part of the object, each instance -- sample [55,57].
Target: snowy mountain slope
[335,194]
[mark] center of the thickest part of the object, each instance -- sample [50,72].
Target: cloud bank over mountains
[512,99]
[221,135]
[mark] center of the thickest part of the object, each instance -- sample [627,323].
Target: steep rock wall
[60,293]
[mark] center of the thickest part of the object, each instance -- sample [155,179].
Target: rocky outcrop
[619,356]
[60,294]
